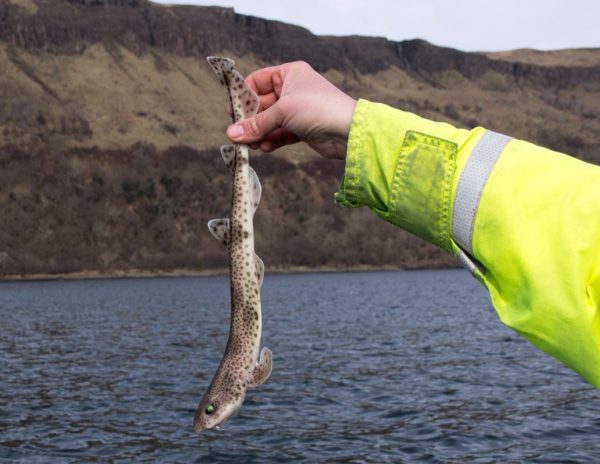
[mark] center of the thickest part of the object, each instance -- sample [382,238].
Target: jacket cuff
[402,174]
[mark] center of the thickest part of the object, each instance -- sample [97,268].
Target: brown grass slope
[110,119]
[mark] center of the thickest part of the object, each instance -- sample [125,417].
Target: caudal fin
[221,66]
[245,102]
[243,99]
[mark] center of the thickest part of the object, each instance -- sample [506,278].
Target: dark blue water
[369,368]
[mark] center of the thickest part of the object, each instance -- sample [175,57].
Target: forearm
[530,222]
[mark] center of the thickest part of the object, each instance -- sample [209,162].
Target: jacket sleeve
[524,220]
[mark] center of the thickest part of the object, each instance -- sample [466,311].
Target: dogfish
[241,366]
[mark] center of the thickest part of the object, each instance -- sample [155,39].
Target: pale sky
[470,25]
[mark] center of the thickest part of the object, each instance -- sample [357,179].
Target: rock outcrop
[69,26]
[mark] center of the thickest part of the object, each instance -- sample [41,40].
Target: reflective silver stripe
[472,180]
[466,262]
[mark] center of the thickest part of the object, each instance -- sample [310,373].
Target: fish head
[217,407]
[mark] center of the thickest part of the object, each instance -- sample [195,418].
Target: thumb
[257,127]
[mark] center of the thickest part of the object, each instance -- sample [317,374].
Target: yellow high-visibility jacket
[523,219]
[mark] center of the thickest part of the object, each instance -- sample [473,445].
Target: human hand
[297,104]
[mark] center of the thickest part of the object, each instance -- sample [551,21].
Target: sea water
[368,368]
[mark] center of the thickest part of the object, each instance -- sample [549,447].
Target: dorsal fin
[255,188]
[219,228]
[228,154]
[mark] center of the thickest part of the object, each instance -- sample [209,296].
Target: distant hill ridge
[110,122]
[67,26]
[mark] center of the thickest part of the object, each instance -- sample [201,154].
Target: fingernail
[235,131]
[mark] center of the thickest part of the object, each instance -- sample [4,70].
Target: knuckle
[301,65]
[253,128]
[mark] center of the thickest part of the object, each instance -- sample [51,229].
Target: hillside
[110,123]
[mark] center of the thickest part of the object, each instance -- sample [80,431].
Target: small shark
[239,368]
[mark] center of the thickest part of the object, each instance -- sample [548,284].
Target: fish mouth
[200,427]
[219,424]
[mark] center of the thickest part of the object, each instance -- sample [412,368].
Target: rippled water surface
[369,367]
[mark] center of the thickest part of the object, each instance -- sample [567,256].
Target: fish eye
[210,409]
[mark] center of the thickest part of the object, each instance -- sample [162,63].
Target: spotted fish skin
[239,367]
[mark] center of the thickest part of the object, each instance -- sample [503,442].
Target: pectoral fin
[263,369]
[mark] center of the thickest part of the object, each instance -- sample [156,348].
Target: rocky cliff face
[110,123]
[61,26]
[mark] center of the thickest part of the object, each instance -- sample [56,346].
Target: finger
[266,80]
[257,127]
[261,80]
[266,101]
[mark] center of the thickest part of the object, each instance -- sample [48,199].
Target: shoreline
[143,274]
